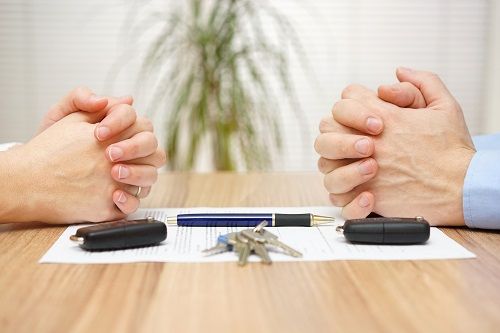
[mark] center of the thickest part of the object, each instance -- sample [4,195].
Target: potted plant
[216,73]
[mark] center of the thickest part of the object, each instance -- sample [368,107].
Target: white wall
[48,47]
[492,102]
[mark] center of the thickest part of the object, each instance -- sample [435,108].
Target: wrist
[19,193]
[11,194]
[454,212]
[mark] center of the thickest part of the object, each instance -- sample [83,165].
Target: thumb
[79,99]
[402,94]
[431,86]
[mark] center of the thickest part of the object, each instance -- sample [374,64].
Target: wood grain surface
[344,296]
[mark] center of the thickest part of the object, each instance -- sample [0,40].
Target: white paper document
[184,244]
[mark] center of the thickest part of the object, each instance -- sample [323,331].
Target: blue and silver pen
[248,220]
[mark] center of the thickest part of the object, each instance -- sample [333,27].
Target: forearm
[14,194]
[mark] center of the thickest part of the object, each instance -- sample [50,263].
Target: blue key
[224,244]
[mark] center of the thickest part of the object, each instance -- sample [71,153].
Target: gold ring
[139,189]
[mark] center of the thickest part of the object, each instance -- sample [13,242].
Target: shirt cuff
[7,146]
[481,194]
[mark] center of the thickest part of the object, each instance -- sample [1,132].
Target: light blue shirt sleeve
[481,192]
[483,142]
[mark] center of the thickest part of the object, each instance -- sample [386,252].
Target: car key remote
[383,230]
[120,234]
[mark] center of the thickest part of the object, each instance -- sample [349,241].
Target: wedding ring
[139,189]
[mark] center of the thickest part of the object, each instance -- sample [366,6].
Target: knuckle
[321,164]
[80,90]
[330,182]
[347,90]
[431,76]
[162,157]
[150,139]
[317,144]
[155,140]
[127,109]
[337,200]
[325,124]
[337,106]
[145,124]
[148,125]
[146,191]
[343,149]
[134,148]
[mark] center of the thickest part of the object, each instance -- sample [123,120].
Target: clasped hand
[87,161]
[402,152]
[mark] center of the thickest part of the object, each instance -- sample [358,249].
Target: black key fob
[386,230]
[120,235]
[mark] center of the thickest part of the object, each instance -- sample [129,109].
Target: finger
[140,145]
[340,200]
[402,94]
[328,124]
[126,202]
[353,114]
[141,124]
[431,86]
[346,178]
[337,146]
[157,159]
[326,165]
[357,91]
[119,118]
[138,175]
[360,207]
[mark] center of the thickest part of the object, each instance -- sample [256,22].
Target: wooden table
[348,296]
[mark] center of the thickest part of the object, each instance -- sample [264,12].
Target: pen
[248,220]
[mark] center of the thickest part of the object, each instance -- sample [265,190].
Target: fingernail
[373,124]
[406,70]
[395,87]
[122,198]
[96,98]
[102,132]
[115,153]
[365,167]
[362,146]
[123,172]
[363,201]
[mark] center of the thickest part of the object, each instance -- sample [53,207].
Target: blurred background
[235,84]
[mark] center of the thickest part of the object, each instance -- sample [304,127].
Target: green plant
[216,73]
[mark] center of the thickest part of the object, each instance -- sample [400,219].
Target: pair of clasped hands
[402,151]
[87,162]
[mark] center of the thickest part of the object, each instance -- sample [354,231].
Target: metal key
[224,243]
[259,244]
[272,240]
[244,248]
[259,227]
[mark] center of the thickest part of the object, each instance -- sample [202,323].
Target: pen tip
[172,220]
[318,219]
